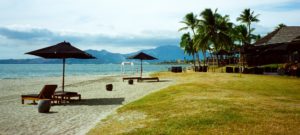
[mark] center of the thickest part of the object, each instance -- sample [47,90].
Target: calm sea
[10,71]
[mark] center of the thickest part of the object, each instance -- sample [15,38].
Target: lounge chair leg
[22,101]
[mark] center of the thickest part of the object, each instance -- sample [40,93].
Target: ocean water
[11,71]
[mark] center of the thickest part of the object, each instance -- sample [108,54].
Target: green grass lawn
[212,103]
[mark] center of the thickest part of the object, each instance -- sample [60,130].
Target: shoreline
[12,71]
[72,118]
[78,75]
[72,75]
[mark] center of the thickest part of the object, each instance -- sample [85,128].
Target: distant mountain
[30,61]
[104,56]
[163,53]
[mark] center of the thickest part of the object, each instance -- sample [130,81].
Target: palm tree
[240,34]
[248,17]
[191,22]
[200,42]
[214,30]
[187,44]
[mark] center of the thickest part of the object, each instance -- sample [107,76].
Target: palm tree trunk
[240,64]
[213,63]
[198,59]
[194,60]
[217,60]
[211,58]
[204,57]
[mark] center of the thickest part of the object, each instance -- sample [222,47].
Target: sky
[120,26]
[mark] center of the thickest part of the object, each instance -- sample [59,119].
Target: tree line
[211,31]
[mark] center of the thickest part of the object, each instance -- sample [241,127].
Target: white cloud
[131,18]
[25,39]
[115,16]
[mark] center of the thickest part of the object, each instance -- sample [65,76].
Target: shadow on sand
[51,112]
[98,101]
[154,81]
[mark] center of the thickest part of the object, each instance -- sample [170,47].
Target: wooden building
[279,46]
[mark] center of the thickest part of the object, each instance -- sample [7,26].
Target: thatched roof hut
[283,35]
[279,46]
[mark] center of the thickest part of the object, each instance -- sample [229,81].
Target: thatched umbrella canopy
[142,56]
[63,51]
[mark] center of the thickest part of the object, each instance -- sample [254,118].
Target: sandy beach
[72,118]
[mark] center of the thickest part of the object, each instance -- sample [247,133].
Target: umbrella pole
[141,67]
[63,77]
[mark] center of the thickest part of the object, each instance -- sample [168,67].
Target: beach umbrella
[142,56]
[63,50]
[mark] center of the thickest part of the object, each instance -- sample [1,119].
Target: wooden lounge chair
[149,78]
[67,96]
[46,93]
[131,78]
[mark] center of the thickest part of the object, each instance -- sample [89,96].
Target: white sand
[73,118]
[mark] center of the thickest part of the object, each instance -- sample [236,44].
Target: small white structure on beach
[124,65]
